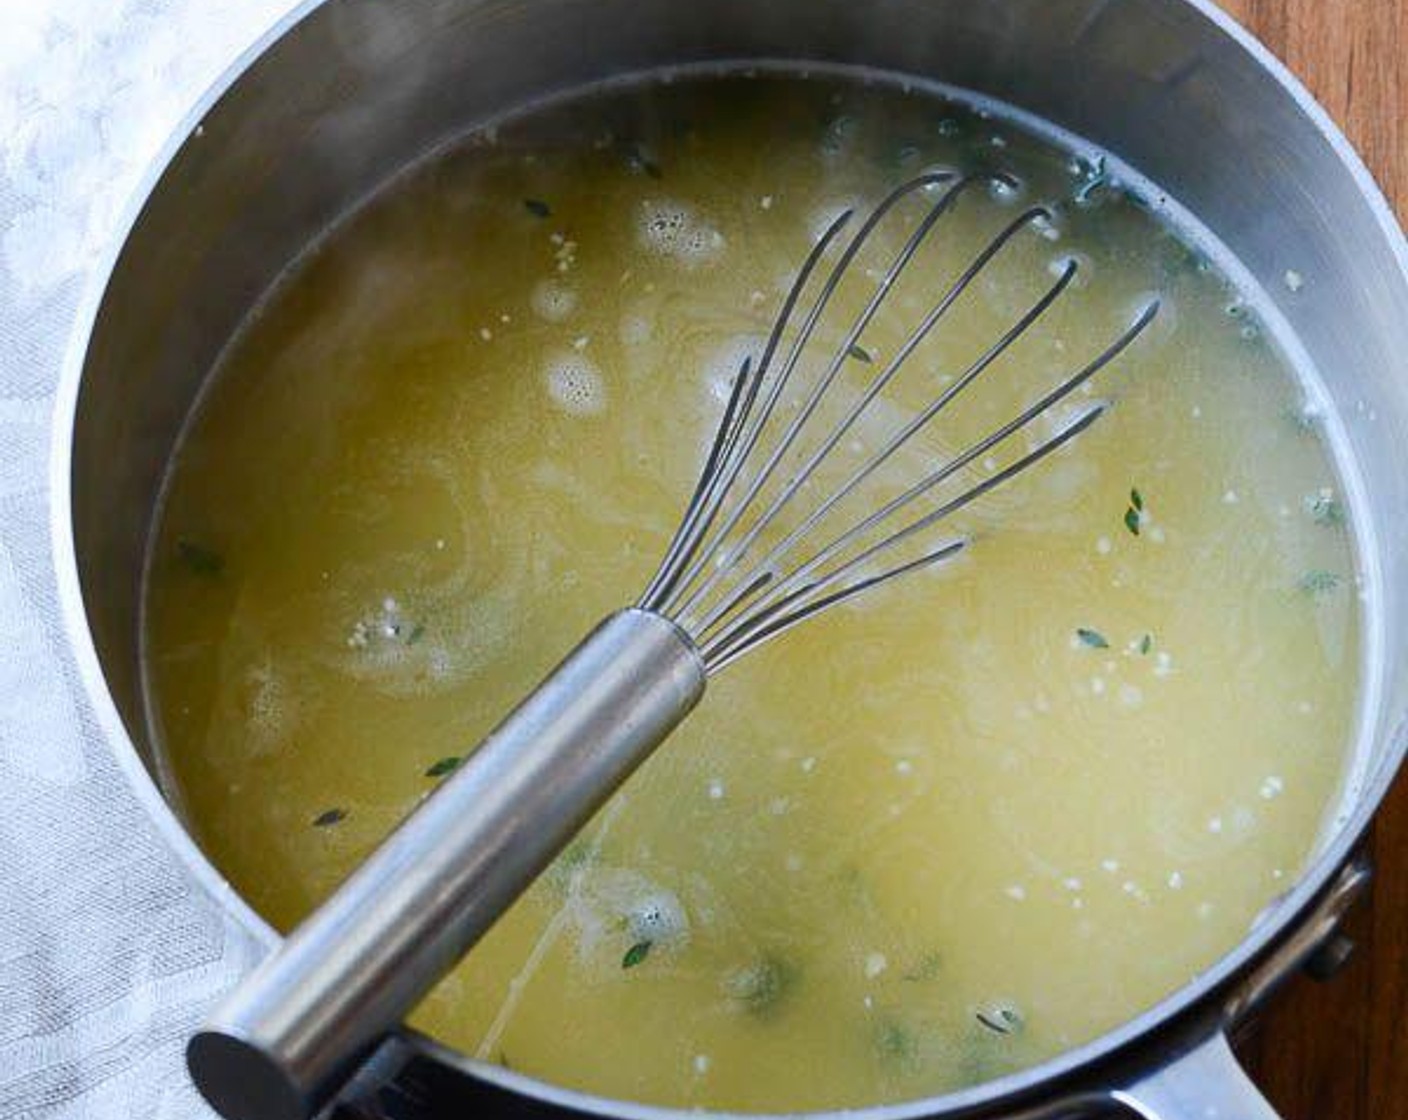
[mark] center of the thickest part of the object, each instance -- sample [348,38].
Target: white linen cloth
[108,952]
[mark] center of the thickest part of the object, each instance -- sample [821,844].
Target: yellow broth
[989,813]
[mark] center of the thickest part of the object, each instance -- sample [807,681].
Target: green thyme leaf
[1324,509]
[896,1043]
[447,765]
[329,817]
[199,559]
[759,988]
[1146,643]
[1319,582]
[1000,1018]
[636,954]
[1136,499]
[1092,638]
[859,353]
[1131,520]
[537,207]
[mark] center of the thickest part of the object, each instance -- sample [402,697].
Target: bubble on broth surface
[672,229]
[614,907]
[657,917]
[662,225]
[575,385]
[702,242]
[553,300]
[422,644]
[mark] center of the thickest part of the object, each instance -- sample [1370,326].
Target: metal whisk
[755,554]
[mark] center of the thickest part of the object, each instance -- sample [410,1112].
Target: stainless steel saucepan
[345,92]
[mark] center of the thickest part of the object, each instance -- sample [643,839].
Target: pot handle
[289,1037]
[1204,1083]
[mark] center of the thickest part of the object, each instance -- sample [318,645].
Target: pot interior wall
[358,88]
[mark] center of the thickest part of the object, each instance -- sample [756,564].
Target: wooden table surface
[1339,1050]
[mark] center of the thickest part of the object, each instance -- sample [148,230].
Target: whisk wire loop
[748,634]
[756,422]
[720,466]
[903,436]
[883,378]
[721,648]
[709,582]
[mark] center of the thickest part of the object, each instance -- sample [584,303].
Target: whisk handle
[290,1036]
